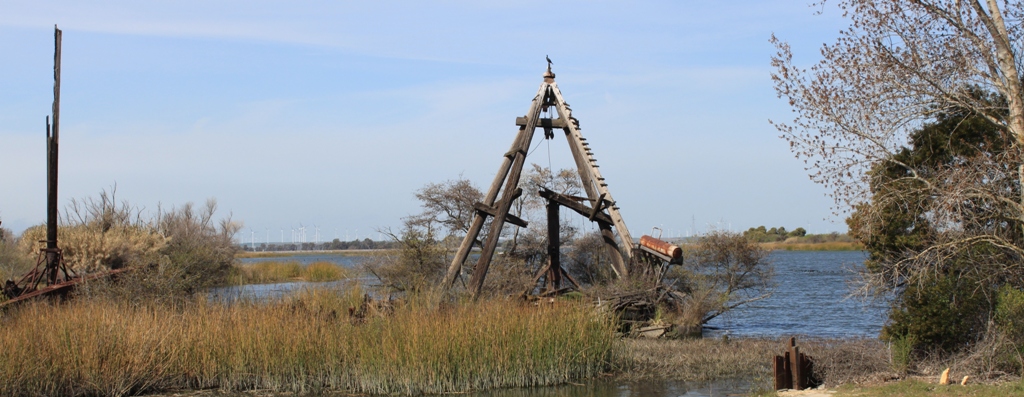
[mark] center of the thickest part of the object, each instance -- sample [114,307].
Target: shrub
[100,234]
[13,261]
[944,313]
[724,270]
[183,250]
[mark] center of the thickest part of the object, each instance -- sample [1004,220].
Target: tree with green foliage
[948,306]
[914,118]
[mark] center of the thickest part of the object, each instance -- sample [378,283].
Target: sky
[333,113]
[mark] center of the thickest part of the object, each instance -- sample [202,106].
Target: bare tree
[897,67]
[899,63]
[449,204]
[723,271]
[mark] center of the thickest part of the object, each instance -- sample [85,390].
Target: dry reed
[276,272]
[303,344]
[836,361]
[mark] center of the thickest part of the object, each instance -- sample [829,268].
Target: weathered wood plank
[489,210]
[543,122]
[580,208]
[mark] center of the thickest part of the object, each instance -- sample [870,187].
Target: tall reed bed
[276,271]
[304,344]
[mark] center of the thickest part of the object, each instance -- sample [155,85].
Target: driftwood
[637,309]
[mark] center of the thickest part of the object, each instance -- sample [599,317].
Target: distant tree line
[761,234]
[337,244]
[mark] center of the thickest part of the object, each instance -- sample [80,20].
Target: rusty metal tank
[665,248]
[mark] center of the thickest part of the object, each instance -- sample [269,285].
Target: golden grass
[694,360]
[836,361]
[323,271]
[276,272]
[302,344]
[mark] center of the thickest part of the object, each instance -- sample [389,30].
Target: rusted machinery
[50,271]
[667,251]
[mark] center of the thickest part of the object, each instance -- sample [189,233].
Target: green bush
[200,252]
[1010,313]
[946,312]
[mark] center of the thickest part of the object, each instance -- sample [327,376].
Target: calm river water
[811,299]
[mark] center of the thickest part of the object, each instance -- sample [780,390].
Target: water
[346,260]
[812,298]
[278,290]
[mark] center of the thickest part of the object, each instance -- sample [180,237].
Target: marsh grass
[302,344]
[836,361]
[324,271]
[276,272]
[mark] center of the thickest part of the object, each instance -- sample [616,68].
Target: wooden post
[554,253]
[52,140]
[780,370]
[794,364]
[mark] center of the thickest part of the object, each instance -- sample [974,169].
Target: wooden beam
[597,207]
[476,282]
[543,123]
[554,252]
[580,208]
[489,210]
[519,147]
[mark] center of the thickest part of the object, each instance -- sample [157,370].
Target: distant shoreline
[826,246]
[284,254]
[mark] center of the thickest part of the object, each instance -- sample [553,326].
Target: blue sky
[334,113]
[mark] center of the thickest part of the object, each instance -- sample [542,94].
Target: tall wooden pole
[52,140]
[554,251]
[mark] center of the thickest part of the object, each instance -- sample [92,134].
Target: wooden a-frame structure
[507,182]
